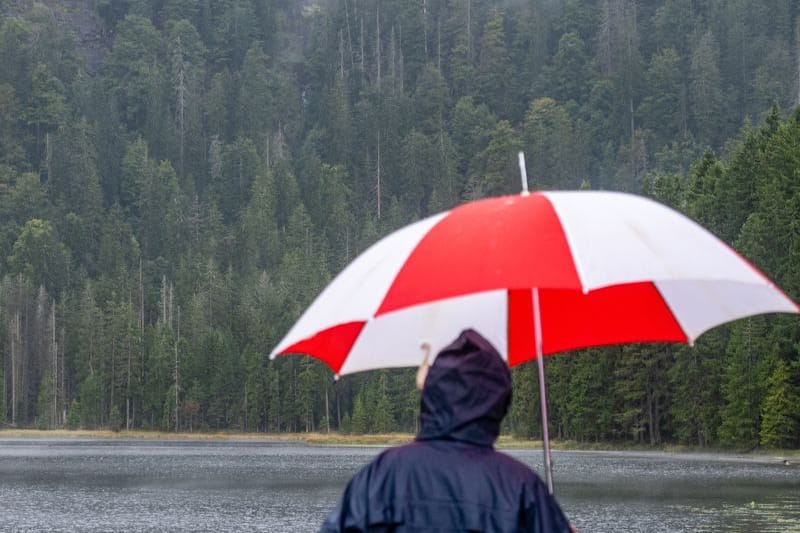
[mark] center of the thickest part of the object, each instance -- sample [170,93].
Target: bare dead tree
[180,68]
[378,175]
[439,44]
[349,35]
[341,55]
[378,43]
[361,42]
[15,349]
[797,53]
[400,73]
[425,27]
[177,340]
[469,30]
[54,363]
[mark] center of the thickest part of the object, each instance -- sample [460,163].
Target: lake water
[119,485]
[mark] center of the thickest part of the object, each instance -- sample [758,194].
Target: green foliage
[3,410]
[494,66]
[185,197]
[572,69]
[89,398]
[780,424]
[39,255]
[524,416]
[46,108]
[554,146]
[346,426]
[705,87]
[115,419]
[381,416]
[695,379]
[664,110]
[589,410]
[742,386]
[495,164]
[135,58]
[359,423]
[44,404]
[74,415]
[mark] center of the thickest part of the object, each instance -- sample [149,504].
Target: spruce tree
[780,420]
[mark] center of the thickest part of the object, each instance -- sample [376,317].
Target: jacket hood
[467,392]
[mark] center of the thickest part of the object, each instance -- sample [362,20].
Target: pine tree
[705,93]
[741,388]
[524,416]
[359,422]
[780,423]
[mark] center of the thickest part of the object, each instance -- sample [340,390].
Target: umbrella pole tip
[523,173]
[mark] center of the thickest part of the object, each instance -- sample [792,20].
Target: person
[450,478]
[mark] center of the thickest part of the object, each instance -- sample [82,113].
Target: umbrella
[536,274]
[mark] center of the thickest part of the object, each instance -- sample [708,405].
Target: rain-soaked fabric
[451,478]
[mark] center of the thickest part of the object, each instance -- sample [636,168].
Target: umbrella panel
[570,319]
[482,246]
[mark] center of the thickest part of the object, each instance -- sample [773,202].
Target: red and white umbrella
[535,274]
[608,268]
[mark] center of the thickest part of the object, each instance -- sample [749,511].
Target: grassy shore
[387,439]
[332,439]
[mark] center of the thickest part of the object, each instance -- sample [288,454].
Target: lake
[141,485]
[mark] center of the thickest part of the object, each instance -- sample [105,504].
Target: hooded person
[450,478]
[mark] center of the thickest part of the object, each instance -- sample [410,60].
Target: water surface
[122,485]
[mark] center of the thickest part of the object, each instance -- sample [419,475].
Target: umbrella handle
[422,371]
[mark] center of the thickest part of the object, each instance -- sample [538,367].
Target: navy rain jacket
[451,478]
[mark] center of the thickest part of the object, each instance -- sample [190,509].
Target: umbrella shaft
[537,329]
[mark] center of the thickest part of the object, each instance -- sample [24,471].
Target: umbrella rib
[689,339]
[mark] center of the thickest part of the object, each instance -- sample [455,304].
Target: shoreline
[382,440]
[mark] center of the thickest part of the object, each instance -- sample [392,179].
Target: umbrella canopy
[553,270]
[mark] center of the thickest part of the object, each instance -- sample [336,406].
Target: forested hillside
[179,179]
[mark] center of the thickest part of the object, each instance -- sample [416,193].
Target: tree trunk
[54,352]
[650,416]
[341,55]
[177,340]
[327,413]
[797,52]
[349,35]
[14,366]
[113,372]
[128,386]
[338,408]
[439,45]
[392,57]
[362,45]
[469,31]
[425,27]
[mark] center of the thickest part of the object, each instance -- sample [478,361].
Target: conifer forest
[180,178]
